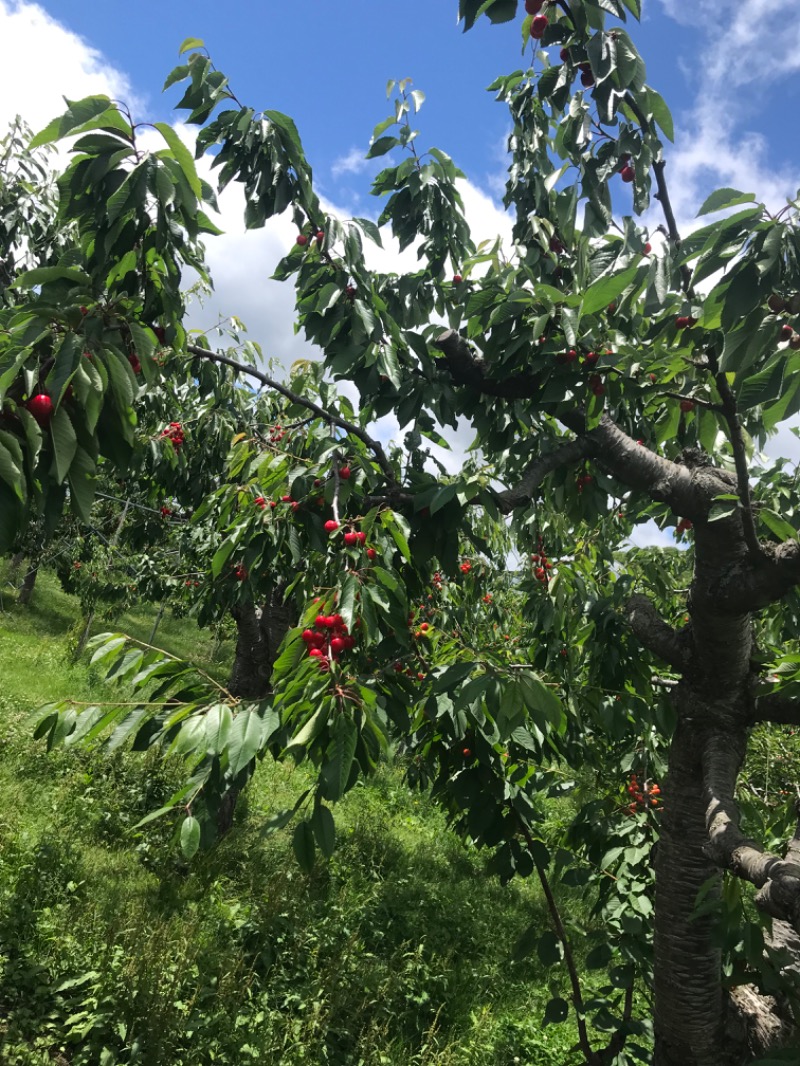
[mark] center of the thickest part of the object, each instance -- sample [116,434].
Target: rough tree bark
[260,631]
[28,585]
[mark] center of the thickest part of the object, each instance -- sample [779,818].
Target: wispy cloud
[741,51]
[351,163]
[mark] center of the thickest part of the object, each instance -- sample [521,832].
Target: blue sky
[327,65]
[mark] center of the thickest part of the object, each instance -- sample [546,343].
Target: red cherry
[538,26]
[350,539]
[302,240]
[307,635]
[786,332]
[466,752]
[563,55]
[647,249]
[687,405]
[533,7]
[315,652]
[592,357]
[338,645]
[331,526]
[627,173]
[371,553]
[776,303]
[457,279]
[42,409]
[587,79]
[345,473]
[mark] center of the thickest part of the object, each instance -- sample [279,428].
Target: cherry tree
[614,372]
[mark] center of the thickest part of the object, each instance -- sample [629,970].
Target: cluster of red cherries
[328,639]
[542,565]
[642,796]
[174,434]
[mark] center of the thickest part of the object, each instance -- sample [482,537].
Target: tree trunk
[691,1015]
[697,1021]
[260,632]
[27,586]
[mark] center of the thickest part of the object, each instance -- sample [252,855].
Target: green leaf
[371,230]
[82,477]
[190,43]
[244,740]
[324,830]
[303,845]
[381,147]
[310,730]
[46,275]
[599,957]
[340,755]
[777,525]
[182,156]
[79,114]
[190,836]
[525,943]
[722,198]
[223,553]
[11,471]
[557,1011]
[65,443]
[607,288]
[218,724]
[549,949]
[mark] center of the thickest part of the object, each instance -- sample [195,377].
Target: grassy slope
[397,951]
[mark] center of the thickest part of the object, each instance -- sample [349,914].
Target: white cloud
[42,62]
[736,45]
[351,163]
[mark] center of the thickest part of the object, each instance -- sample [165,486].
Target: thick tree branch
[656,635]
[753,587]
[689,493]
[777,709]
[296,398]
[566,454]
[467,368]
[777,879]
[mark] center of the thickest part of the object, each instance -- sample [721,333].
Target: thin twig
[301,401]
[662,194]
[569,960]
[731,414]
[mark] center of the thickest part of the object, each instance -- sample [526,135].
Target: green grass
[113,950]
